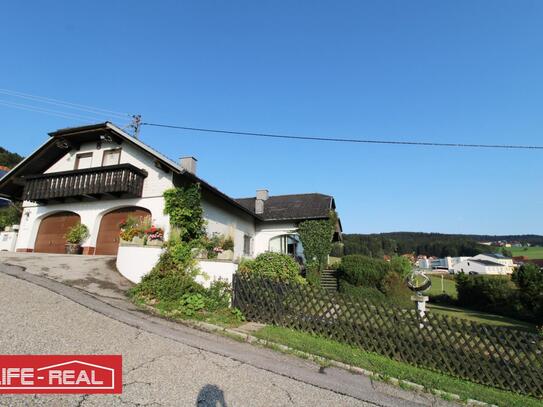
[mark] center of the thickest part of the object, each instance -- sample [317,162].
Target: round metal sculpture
[418,282]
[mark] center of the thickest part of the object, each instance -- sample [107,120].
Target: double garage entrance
[52,230]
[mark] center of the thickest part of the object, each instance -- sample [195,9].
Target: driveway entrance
[94,274]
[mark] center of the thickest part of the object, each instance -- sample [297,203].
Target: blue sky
[447,71]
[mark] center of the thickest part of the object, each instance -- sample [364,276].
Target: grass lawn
[480,317]
[535,252]
[387,367]
[449,286]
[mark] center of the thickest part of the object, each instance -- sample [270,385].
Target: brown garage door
[108,235]
[51,233]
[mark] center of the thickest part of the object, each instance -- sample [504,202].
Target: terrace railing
[123,180]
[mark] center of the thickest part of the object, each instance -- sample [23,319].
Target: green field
[535,252]
[449,286]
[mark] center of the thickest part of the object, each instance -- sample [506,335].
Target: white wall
[156,182]
[215,270]
[134,262]
[469,265]
[91,215]
[267,231]
[91,212]
[226,221]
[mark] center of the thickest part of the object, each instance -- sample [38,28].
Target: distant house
[485,264]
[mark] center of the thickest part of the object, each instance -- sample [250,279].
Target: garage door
[108,235]
[51,233]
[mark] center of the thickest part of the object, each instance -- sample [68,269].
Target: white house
[98,174]
[498,258]
[482,264]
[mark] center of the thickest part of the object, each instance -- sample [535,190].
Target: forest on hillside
[429,244]
[9,159]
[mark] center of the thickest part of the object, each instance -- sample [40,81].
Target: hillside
[9,159]
[430,244]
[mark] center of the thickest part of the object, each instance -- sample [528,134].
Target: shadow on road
[210,396]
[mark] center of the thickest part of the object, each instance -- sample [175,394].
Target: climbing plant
[316,237]
[184,207]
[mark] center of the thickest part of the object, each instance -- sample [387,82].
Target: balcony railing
[114,181]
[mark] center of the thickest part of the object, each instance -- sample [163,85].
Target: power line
[347,140]
[61,103]
[50,112]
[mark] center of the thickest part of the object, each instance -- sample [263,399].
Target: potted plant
[154,236]
[74,237]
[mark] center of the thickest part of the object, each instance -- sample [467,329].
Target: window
[286,244]
[247,245]
[111,157]
[83,160]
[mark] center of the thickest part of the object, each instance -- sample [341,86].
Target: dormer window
[111,157]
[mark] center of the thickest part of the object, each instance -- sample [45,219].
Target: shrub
[529,280]
[401,265]
[363,293]
[395,289]
[165,286]
[487,293]
[360,270]
[218,295]
[275,266]
[77,233]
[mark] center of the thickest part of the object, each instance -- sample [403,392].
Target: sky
[450,71]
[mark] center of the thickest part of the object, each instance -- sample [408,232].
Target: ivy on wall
[183,205]
[316,237]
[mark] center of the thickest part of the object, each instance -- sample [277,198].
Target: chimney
[188,164]
[261,196]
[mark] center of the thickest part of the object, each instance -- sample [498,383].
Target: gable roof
[487,263]
[293,207]
[51,151]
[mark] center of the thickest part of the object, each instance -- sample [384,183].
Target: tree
[9,159]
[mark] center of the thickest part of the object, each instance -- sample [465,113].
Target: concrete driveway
[95,274]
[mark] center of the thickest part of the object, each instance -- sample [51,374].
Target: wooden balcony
[114,181]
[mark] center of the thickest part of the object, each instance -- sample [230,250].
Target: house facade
[98,175]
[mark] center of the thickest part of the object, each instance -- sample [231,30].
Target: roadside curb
[244,337]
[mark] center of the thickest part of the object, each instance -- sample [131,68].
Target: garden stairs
[329,280]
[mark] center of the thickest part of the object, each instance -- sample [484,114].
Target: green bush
[274,266]
[218,295]
[529,280]
[489,293]
[360,270]
[165,287]
[395,290]
[9,216]
[362,293]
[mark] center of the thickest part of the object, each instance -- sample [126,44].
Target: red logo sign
[83,374]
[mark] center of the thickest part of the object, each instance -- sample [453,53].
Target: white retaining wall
[133,262]
[215,270]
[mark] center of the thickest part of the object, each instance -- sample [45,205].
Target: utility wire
[61,103]
[50,112]
[347,140]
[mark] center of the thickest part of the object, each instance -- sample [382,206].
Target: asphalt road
[165,364]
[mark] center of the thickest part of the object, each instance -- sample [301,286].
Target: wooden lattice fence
[504,358]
